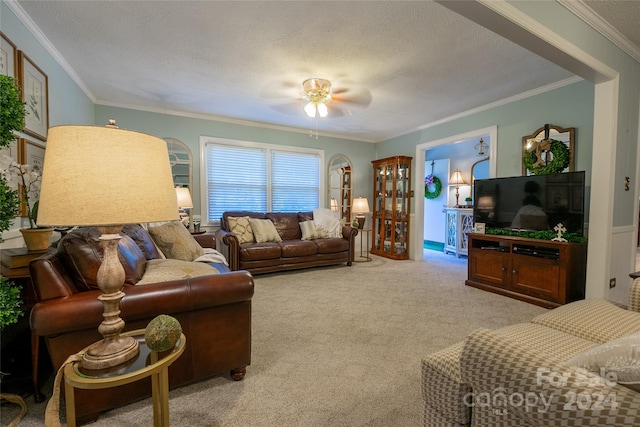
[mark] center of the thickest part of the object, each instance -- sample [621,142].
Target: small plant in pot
[11,120]
[468,201]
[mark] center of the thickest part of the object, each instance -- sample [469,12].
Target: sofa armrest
[634,295]
[83,310]
[227,244]
[350,234]
[511,381]
[206,240]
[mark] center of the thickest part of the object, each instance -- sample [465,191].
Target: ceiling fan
[318,97]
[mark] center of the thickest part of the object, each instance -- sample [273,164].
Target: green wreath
[437,187]
[560,160]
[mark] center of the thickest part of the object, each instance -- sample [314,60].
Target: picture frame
[8,56]
[31,153]
[479,227]
[34,85]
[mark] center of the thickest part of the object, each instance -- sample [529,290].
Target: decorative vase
[36,239]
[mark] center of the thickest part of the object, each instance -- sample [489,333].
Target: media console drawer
[541,272]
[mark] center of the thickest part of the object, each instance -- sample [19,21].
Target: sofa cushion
[260,251]
[175,241]
[140,235]
[617,361]
[224,221]
[264,230]
[310,231]
[286,223]
[241,227]
[165,270]
[330,246]
[81,253]
[298,248]
[593,319]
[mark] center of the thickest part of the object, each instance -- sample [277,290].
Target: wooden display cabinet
[540,272]
[391,207]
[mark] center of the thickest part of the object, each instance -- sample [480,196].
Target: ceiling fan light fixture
[318,92]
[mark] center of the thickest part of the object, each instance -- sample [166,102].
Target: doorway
[490,136]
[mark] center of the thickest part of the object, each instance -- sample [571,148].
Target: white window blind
[261,179]
[295,181]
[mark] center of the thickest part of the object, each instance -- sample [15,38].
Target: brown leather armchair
[214,311]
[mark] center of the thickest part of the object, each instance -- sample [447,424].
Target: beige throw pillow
[617,361]
[311,232]
[175,241]
[165,270]
[241,228]
[264,230]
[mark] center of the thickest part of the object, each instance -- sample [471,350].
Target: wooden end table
[147,363]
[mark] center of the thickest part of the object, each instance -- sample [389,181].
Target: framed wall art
[35,93]
[31,153]
[8,56]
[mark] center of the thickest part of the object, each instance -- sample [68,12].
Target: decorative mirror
[340,190]
[548,150]
[480,169]
[181,162]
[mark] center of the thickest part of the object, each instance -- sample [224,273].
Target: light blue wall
[568,26]
[68,104]
[189,130]
[568,106]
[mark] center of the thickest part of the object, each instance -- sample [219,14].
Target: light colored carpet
[335,346]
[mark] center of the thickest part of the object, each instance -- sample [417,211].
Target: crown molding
[212,117]
[495,104]
[585,13]
[49,47]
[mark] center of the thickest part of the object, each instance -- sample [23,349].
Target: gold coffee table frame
[146,364]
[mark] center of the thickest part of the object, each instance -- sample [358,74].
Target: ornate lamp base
[113,349]
[108,353]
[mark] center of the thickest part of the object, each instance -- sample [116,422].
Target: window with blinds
[242,176]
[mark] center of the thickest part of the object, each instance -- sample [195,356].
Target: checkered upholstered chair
[519,375]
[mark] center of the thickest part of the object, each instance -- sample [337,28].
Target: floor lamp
[106,177]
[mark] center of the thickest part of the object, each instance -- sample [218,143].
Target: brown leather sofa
[289,254]
[214,311]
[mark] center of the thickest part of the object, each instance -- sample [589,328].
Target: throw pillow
[326,221]
[264,230]
[311,232]
[617,360]
[165,270]
[175,241]
[241,228]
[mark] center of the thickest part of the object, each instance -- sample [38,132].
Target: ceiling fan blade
[290,108]
[282,89]
[360,97]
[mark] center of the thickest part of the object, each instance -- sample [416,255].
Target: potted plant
[26,178]
[11,120]
[468,201]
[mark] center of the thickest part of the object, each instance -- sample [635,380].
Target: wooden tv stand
[540,272]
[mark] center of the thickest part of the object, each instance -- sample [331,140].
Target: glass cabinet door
[392,192]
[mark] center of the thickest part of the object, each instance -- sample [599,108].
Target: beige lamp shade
[456,177]
[360,205]
[105,176]
[184,198]
[334,204]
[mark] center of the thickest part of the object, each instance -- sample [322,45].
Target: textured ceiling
[401,64]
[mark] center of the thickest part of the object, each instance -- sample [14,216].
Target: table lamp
[106,177]
[360,207]
[456,178]
[184,202]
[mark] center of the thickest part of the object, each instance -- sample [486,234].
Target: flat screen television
[531,203]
